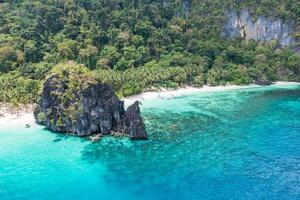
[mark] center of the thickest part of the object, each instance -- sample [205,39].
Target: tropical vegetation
[138,44]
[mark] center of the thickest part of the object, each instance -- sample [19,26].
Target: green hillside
[137,44]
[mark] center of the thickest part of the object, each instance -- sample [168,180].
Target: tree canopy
[138,44]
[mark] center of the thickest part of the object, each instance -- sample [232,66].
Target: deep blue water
[238,144]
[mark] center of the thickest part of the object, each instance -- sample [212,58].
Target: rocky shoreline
[10,118]
[73,103]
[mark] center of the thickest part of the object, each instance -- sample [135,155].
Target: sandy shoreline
[16,117]
[24,117]
[167,93]
[17,121]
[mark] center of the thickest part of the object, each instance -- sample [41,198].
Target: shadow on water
[57,140]
[60,136]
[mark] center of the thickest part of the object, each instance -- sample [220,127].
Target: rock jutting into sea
[73,104]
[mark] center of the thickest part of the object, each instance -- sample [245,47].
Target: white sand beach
[169,93]
[17,121]
[12,117]
[286,83]
[25,116]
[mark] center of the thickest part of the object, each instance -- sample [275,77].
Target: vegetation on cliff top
[134,45]
[73,101]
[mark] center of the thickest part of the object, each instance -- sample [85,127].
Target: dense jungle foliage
[138,44]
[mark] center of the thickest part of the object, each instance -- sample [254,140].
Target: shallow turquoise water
[239,144]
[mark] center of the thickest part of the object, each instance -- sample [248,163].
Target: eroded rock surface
[133,122]
[85,108]
[262,29]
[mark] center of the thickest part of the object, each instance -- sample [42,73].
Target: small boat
[27,125]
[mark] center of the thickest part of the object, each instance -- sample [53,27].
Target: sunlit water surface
[237,144]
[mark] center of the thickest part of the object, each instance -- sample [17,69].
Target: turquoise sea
[235,144]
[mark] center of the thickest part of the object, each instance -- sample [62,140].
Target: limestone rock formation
[86,107]
[133,122]
[262,29]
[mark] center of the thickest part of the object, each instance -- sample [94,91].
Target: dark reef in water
[72,103]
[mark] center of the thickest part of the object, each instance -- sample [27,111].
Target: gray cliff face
[93,109]
[263,29]
[101,111]
[133,121]
[184,10]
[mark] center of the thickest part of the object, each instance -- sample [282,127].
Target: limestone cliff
[262,29]
[85,107]
[183,9]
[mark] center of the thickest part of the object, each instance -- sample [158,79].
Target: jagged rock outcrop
[133,122]
[262,29]
[86,107]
